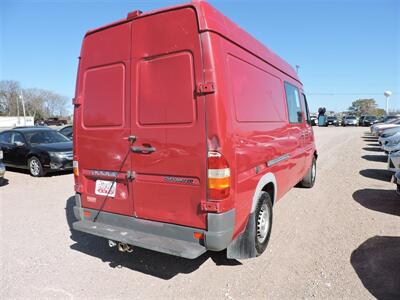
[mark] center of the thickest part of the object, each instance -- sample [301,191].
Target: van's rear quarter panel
[248,145]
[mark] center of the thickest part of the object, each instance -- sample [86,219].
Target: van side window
[293,103]
[307,110]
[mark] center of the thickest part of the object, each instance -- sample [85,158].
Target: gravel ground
[340,239]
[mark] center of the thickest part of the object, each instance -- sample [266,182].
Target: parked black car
[361,121]
[67,131]
[55,121]
[38,149]
[369,120]
[331,121]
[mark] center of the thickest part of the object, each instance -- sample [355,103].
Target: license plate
[104,188]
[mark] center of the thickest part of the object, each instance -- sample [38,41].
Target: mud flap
[245,245]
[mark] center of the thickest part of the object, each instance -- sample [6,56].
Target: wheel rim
[34,167]
[313,171]
[263,224]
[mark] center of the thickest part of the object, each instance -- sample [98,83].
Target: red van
[187,131]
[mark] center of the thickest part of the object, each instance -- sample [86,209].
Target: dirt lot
[340,239]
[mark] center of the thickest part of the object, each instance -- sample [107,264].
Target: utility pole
[19,122]
[23,106]
[387,95]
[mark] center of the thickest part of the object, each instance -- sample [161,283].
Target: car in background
[394,161]
[67,131]
[55,121]
[369,120]
[361,121]
[391,146]
[2,168]
[331,120]
[397,180]
[349,121]
[388,133]
[390,140]
[38,149]
[379,129]
[314,120]
[385,119]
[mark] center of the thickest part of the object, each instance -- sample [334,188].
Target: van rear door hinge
[205,88]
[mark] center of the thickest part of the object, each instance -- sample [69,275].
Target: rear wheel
[309,180]
[263,222]
[35,167]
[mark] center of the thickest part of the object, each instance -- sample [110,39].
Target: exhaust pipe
[124,248]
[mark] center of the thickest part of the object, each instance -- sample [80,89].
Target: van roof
[210,19]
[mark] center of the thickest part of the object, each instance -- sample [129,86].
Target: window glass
[5,137]
[45,137]
[66,131]
[293,103]
[17,137]
[166,98]
[307,109]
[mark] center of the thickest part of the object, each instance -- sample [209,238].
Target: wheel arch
[267,183]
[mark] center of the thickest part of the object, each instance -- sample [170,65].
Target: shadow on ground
[3,182]
[48,174]
[385,201]
[377,264]
[373,149]
[142,260]
[378,174]
[377,158]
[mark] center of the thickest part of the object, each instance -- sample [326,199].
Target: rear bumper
[162,237]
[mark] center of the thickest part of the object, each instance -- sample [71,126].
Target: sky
[346,50]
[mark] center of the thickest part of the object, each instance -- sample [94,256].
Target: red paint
[184,80]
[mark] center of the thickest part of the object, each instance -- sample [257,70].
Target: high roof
[210,19]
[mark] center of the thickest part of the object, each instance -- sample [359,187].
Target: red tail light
[219,176]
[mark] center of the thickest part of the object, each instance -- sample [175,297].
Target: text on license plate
[104,187]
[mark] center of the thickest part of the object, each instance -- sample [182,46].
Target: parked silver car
[349,121]
[394,161]
[397,181]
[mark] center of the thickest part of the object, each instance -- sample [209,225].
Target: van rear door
[168,119]
[102,118]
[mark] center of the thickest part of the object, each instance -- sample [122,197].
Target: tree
[379,112]
[9,93]
[363,107]
[39,103]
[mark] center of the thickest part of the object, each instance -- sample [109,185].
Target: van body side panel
[168,116]
[254,143]
[102,117]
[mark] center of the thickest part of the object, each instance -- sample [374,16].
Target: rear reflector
[87,213]
[219,176]
[198,235]
[75,167]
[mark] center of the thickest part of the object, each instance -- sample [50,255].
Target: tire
[35,167]
[309,180]
[263,222]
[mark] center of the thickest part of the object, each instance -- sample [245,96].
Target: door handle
[143,150]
